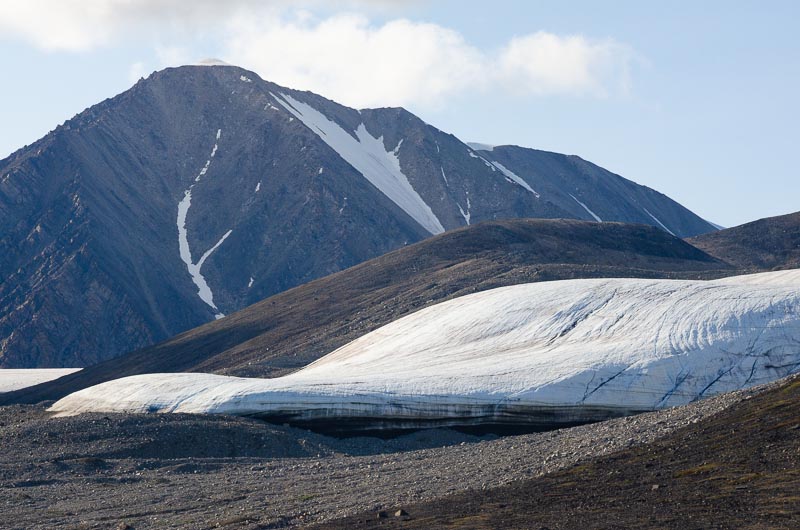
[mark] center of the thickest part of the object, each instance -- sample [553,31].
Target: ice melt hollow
[369,157]
[560,351]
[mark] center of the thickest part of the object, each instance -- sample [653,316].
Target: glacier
[541,355]
[17,378]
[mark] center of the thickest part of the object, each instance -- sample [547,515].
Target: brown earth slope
[291,329]
[766,244]
[739,469]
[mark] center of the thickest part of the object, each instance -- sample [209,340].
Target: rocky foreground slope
[737,469]
[198,471]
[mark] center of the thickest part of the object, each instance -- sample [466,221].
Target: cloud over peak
[343,56]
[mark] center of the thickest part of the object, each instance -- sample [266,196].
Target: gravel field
[185,471]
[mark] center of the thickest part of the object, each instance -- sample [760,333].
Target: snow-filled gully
[369,157]
[203,290]
[596,217]
[540,355]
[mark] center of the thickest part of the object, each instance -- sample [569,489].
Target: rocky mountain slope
[289,330]
[204,189]
[771,243]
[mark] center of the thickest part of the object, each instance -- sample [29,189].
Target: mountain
[204,189]
[771,243]
[291,329]
[539,355]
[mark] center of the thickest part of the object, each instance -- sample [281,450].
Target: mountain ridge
[106,220]
[291,329]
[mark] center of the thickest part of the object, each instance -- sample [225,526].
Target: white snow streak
[488,164]
[444,176]
[369,157]
[250,283]
[245,79]
[468,215]
[203,290]
[513,176]
[596,218]
[656,220]
[397,149]
[258,187]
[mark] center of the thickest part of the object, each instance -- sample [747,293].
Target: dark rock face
[90,258]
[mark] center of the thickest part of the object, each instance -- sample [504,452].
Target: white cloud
[543,63]
[402,62]
[343,56]
[80,25]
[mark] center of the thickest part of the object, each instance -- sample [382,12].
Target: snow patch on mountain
[513,176]
[203,290]
[560,349]
[486,162]
[596,217]
[368,156]
[657,221]
[466,215]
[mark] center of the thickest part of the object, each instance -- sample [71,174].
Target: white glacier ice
[17,378]
[369,157]
[565,351]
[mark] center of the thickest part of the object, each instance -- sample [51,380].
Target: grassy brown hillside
[766,244]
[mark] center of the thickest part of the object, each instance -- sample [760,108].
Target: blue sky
[695,99]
